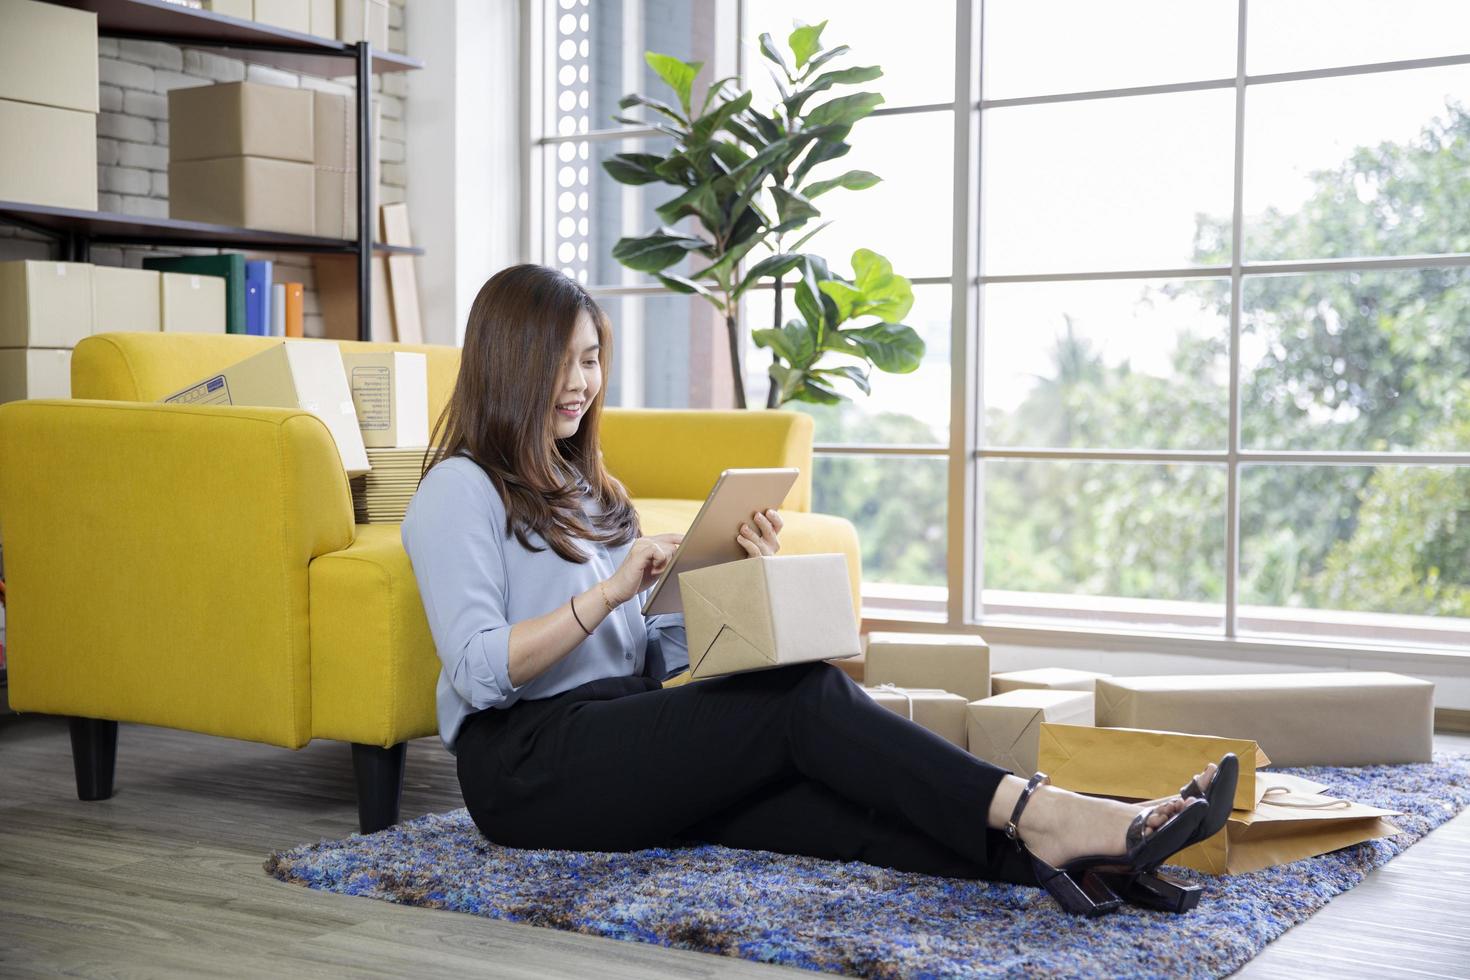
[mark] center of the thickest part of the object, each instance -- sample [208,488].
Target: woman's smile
[570,410]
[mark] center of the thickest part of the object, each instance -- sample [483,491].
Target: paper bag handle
[1328,804]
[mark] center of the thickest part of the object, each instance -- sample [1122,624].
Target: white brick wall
[132,140]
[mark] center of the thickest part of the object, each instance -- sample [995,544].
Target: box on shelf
[303,374]
[1329,718]
[336,291]
[1005,729]
[942,712]
[334,157]
[126,299]
[1049,678]
[957,662]
[235,119]
[391,392]
[48,56]
[292,15]
[48,156]
[192,303]
[244,192]
[322,15]
[1142,765]
[755,613]
[45,304]
[242,9]
[363,20]
[34,372]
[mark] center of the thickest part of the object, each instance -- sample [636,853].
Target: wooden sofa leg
[379,774]
[93,753]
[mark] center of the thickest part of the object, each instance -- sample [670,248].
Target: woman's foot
[1059,825]
[1203,780]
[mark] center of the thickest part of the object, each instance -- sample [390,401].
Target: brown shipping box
[957,662]
[305,374]
[45,304]
[1351,718]
[1045,678]
[1142,765]
[243,9]
[126,299]
[48,156]
[192,304]
[1005,729]
[756,613]
[323,18]
[336,291]
[941,712]
[363,20]
[243,192]
[334,157]
[34,372]
[390,390]
[48,56]
[291,15]
[234,119]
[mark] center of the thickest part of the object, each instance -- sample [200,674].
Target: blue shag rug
[856,919]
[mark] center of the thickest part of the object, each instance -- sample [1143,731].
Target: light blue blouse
[476,582]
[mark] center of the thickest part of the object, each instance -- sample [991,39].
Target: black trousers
[796,760]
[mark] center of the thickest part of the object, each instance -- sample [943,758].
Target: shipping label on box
[305,374]
[958,662]
[34,372]
[391,392]
[235,119]
[48,56]
[192,304]
[45,304]
[126,299]
[48,156]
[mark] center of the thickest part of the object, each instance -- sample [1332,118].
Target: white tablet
[737,497]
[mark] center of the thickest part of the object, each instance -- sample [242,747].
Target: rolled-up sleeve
[667,652]
[452,534]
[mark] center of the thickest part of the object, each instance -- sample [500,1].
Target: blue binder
[258,298]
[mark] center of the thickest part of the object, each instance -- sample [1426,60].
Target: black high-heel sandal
[1163,892]
[1079,885]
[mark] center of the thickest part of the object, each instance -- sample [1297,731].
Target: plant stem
[732,334]
[773,396]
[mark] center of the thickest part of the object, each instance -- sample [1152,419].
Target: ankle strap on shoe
[1012,828]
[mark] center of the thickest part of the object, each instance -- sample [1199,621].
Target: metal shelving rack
[158,20]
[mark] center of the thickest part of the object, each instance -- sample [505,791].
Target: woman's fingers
[769,531]
[747,540]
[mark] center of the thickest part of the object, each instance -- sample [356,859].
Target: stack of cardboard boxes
[48,105]
[355,20]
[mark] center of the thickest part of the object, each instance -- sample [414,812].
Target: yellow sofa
[198,567]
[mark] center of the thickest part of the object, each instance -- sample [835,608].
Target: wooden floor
[165,879]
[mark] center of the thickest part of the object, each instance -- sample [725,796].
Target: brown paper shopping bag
[1139,764]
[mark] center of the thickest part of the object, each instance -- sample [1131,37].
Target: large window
[1195,285]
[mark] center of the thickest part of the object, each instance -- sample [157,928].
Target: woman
[533,570]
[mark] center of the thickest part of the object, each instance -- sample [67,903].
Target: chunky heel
[1156,890]
[1088,896]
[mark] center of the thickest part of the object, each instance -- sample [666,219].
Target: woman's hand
[763,538]
[646,561]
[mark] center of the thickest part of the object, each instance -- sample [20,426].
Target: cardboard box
[305,374]
[755,613]
[48,55]
[336,291]
[390,390]
[957,662]
[1045,678]
[126,299]
[240,119]
[291,15]
[1142,765]
[242,9]
[363,20]
[45,304]
[244,192]
[334,155]
[48,156]
[323,18]
[1005,729]
[1349,718]
[941,712]
[192,303]
[34,372]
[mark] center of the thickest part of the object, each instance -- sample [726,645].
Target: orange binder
[295,315]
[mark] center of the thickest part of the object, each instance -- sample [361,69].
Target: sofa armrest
[156,561]
[679,454]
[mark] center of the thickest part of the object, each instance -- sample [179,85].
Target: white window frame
[963,610]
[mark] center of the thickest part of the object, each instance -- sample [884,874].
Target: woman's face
[580,379]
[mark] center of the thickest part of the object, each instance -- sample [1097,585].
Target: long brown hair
[500,413]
